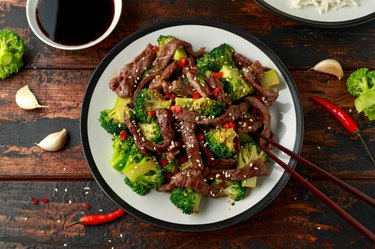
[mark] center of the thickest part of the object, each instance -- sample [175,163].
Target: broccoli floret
[151,131]
[148,100]
[220,141]
[361,83]
[164,39]
[186,199]
[249,152]
[232,189]
[234,84]
[204,106]
[216,59]
[142,172]
[112,120]
[121,151]
[12,48]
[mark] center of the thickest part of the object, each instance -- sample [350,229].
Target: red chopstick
[346,216]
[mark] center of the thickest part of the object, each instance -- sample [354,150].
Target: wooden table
[295,219]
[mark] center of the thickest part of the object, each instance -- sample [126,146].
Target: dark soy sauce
[74,22]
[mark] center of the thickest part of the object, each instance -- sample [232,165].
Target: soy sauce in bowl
[74,22]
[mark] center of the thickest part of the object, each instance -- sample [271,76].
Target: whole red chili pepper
[344,118]
[97,219]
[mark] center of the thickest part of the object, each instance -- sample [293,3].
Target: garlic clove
[26,99]
[330,66]
[54,141]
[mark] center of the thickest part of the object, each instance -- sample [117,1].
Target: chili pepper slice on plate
[97,219]
[344,119]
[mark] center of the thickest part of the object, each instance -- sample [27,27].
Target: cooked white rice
[324,5]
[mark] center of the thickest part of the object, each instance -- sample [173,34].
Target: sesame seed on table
[41,192]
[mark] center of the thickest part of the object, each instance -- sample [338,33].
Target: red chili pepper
[123,135]
[151,113]
[168,95]
[164,162]
[176,108]
[344,118]
[182,63]
[155,48]
[200,136]
[228,125]
[217,75]
[45,200]
[97,219]
[35,201]
[87,206]
[216,91]
[196,95]
[168,176]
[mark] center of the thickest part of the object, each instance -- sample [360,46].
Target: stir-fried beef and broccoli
[186,122]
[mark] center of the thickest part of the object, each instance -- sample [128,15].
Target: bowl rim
[30,15]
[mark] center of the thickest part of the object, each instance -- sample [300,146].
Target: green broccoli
[112,120]
[204,106]
[151,131]
[180,52]
[12,48]
[234,84]
[220,141]
[148,100]
[249,152]
[232,189]
[121,151]
[216,59]
[142,172]
[361,83]
[186,199]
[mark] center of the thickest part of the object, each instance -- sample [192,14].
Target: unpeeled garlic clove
[54,141]
[330,66]
[26,99]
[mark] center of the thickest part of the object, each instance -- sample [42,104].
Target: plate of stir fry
[170,124]
[323,13]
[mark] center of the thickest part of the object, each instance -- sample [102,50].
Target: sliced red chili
[200,136]
[45,200]
[168,95]
[182,63]
[196,95]
[87,206]
[164,162]
[155,48]
[35,201]
[217,75]
[176,108]
[123,135]
[228,125]
[216,91]
[151,113]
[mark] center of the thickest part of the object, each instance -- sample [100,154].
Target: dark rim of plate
[170,225]
[318,24]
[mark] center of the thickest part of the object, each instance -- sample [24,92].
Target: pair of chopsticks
[346,216]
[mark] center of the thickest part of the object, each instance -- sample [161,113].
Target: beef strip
[191,179]
[124,83]
[202,88]
[191,145]
[215,83]
[255,168]
[182,88]
[241,60]
[247,125]
[168,50]
[266,116]
[188,116]
[257,70]
[269,96]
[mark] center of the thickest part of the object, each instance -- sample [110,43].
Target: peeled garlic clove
[26,99]
[330,66]
[54,141]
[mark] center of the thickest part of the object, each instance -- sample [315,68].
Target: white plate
[155,207]
[343,17]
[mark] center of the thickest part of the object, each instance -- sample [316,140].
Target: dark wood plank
[295,219]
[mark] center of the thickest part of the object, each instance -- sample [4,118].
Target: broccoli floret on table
[112,120]
[220,141]
[121,151]
[148,100]
[232,189]
[250,152]
[186,199]
[234,85]
[361,83]
[142,172]
[204,106]
[216,59]
[12,48]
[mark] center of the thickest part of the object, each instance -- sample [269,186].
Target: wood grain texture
[293,220]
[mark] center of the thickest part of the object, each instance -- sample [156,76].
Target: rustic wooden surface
[295,219]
